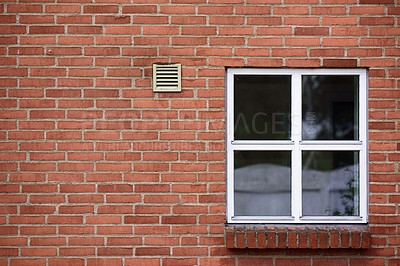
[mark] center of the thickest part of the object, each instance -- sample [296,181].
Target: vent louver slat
[166,77]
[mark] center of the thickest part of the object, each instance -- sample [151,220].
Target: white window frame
[296,145]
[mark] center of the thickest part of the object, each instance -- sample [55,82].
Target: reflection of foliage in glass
[342,169]
[348,196]
[347,199]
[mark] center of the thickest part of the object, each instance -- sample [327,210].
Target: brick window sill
[293,236]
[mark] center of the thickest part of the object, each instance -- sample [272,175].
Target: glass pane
[331,183]
[262,107]
[330,107]
[262,183]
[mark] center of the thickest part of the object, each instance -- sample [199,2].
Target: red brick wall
[96,169]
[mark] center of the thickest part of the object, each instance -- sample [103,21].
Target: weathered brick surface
[95,168]
[289,237]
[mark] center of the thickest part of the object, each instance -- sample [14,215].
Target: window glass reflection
[330,107]
[330,181]
[262,183]
[262,107]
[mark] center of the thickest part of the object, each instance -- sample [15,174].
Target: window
[297,146]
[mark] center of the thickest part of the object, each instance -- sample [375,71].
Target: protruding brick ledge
[313,237]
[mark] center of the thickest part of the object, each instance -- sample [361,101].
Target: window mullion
[296,153]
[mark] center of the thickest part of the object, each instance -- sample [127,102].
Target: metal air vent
[166,77]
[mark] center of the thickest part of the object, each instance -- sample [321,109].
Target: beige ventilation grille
[166,77]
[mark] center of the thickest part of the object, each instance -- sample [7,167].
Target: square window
[297,146]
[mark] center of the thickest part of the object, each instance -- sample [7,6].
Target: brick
[46,29]
[32,261]
[48,241]
[164,30]
[150,19]
[66,219]
[339,21]
[369,52]
[311,31]
[327,52]
[302,62]
[328,10]
[137,51]
[110,83]
[384,31]
[112,20]
[265,41]
[8,19]
[64,51]
[155,230]
[70,61]
[112,62]
[221,20]
[393,10]
[124,241]
[43,72]
[21,219]
[143,261]
[298,41]
[8,61]
[377,42]
[271,20]
[8,40]
[73,19]
[76,209]
[349,31]
[27,177]
[204,30]
[76,252]
[290,10]
[13,241]
[99,9]
[106,40]
[215,10]
[122,30]
[99,219]
[301,20]
[375,2]
[36,82]
[186,41]
[322,261]
[26,51]
[364,10]
[13,29]
[339,42]
[85,29]
[139,9]
[103,51]
[240,239]
[26,252]
[47,156]
[377,21]
[118,251]
[181,9]
[323,239]
[340,62]
[24,8]
[379,62]
[111,209]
